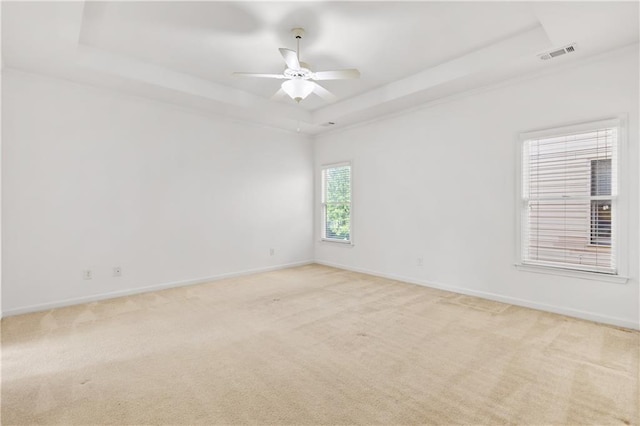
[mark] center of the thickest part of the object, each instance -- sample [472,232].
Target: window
[336,203]
[569,199]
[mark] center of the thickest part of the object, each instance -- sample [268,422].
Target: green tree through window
[336,201]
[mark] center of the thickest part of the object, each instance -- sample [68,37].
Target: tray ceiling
[408,53]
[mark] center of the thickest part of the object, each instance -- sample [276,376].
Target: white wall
[438,183]
[94,179]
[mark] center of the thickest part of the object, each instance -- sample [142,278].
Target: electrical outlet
[420,261]
[117,271]
[272,252]
[87,275]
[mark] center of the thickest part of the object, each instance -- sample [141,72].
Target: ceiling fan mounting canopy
[297,32]
[301,80]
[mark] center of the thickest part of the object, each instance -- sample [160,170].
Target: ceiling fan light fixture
[297,88]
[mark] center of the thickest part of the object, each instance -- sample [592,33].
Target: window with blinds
[569,190]
[336,203]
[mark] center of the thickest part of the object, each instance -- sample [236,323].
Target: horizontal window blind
[336,202]
[569,201]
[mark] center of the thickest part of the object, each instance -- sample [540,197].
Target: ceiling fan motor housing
[303,72]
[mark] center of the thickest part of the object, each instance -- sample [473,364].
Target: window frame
[323,204]
[619,220]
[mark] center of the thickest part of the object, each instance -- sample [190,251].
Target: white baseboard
[590,316]
[146,289]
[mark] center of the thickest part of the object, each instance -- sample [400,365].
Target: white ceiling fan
[300,80]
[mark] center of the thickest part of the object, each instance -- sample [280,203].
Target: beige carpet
[314,345]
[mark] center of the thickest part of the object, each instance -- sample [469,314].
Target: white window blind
[336,202]
[569,196]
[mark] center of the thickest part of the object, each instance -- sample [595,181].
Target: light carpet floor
[314,345]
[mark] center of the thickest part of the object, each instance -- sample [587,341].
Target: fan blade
[250,74]
[336,75]
[280,94]
[324,93]
[291,58]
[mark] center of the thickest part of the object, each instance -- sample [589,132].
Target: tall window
[336,202]
[569,191]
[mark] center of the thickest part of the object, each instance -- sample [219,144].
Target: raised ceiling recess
[409,53]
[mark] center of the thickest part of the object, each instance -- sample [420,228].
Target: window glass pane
[338,184]
[559,232]
[337,202]
[601,222]
[601,177]
[570,166]
[338,222]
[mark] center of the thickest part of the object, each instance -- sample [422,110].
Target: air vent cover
[558,52]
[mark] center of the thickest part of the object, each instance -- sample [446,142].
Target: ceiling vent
[328,124]
[558,52]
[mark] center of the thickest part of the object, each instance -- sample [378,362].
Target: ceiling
[408,53]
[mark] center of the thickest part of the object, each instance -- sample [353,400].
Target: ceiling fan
[300,79]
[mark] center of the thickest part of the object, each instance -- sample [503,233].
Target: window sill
[340,243]
[595,276]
